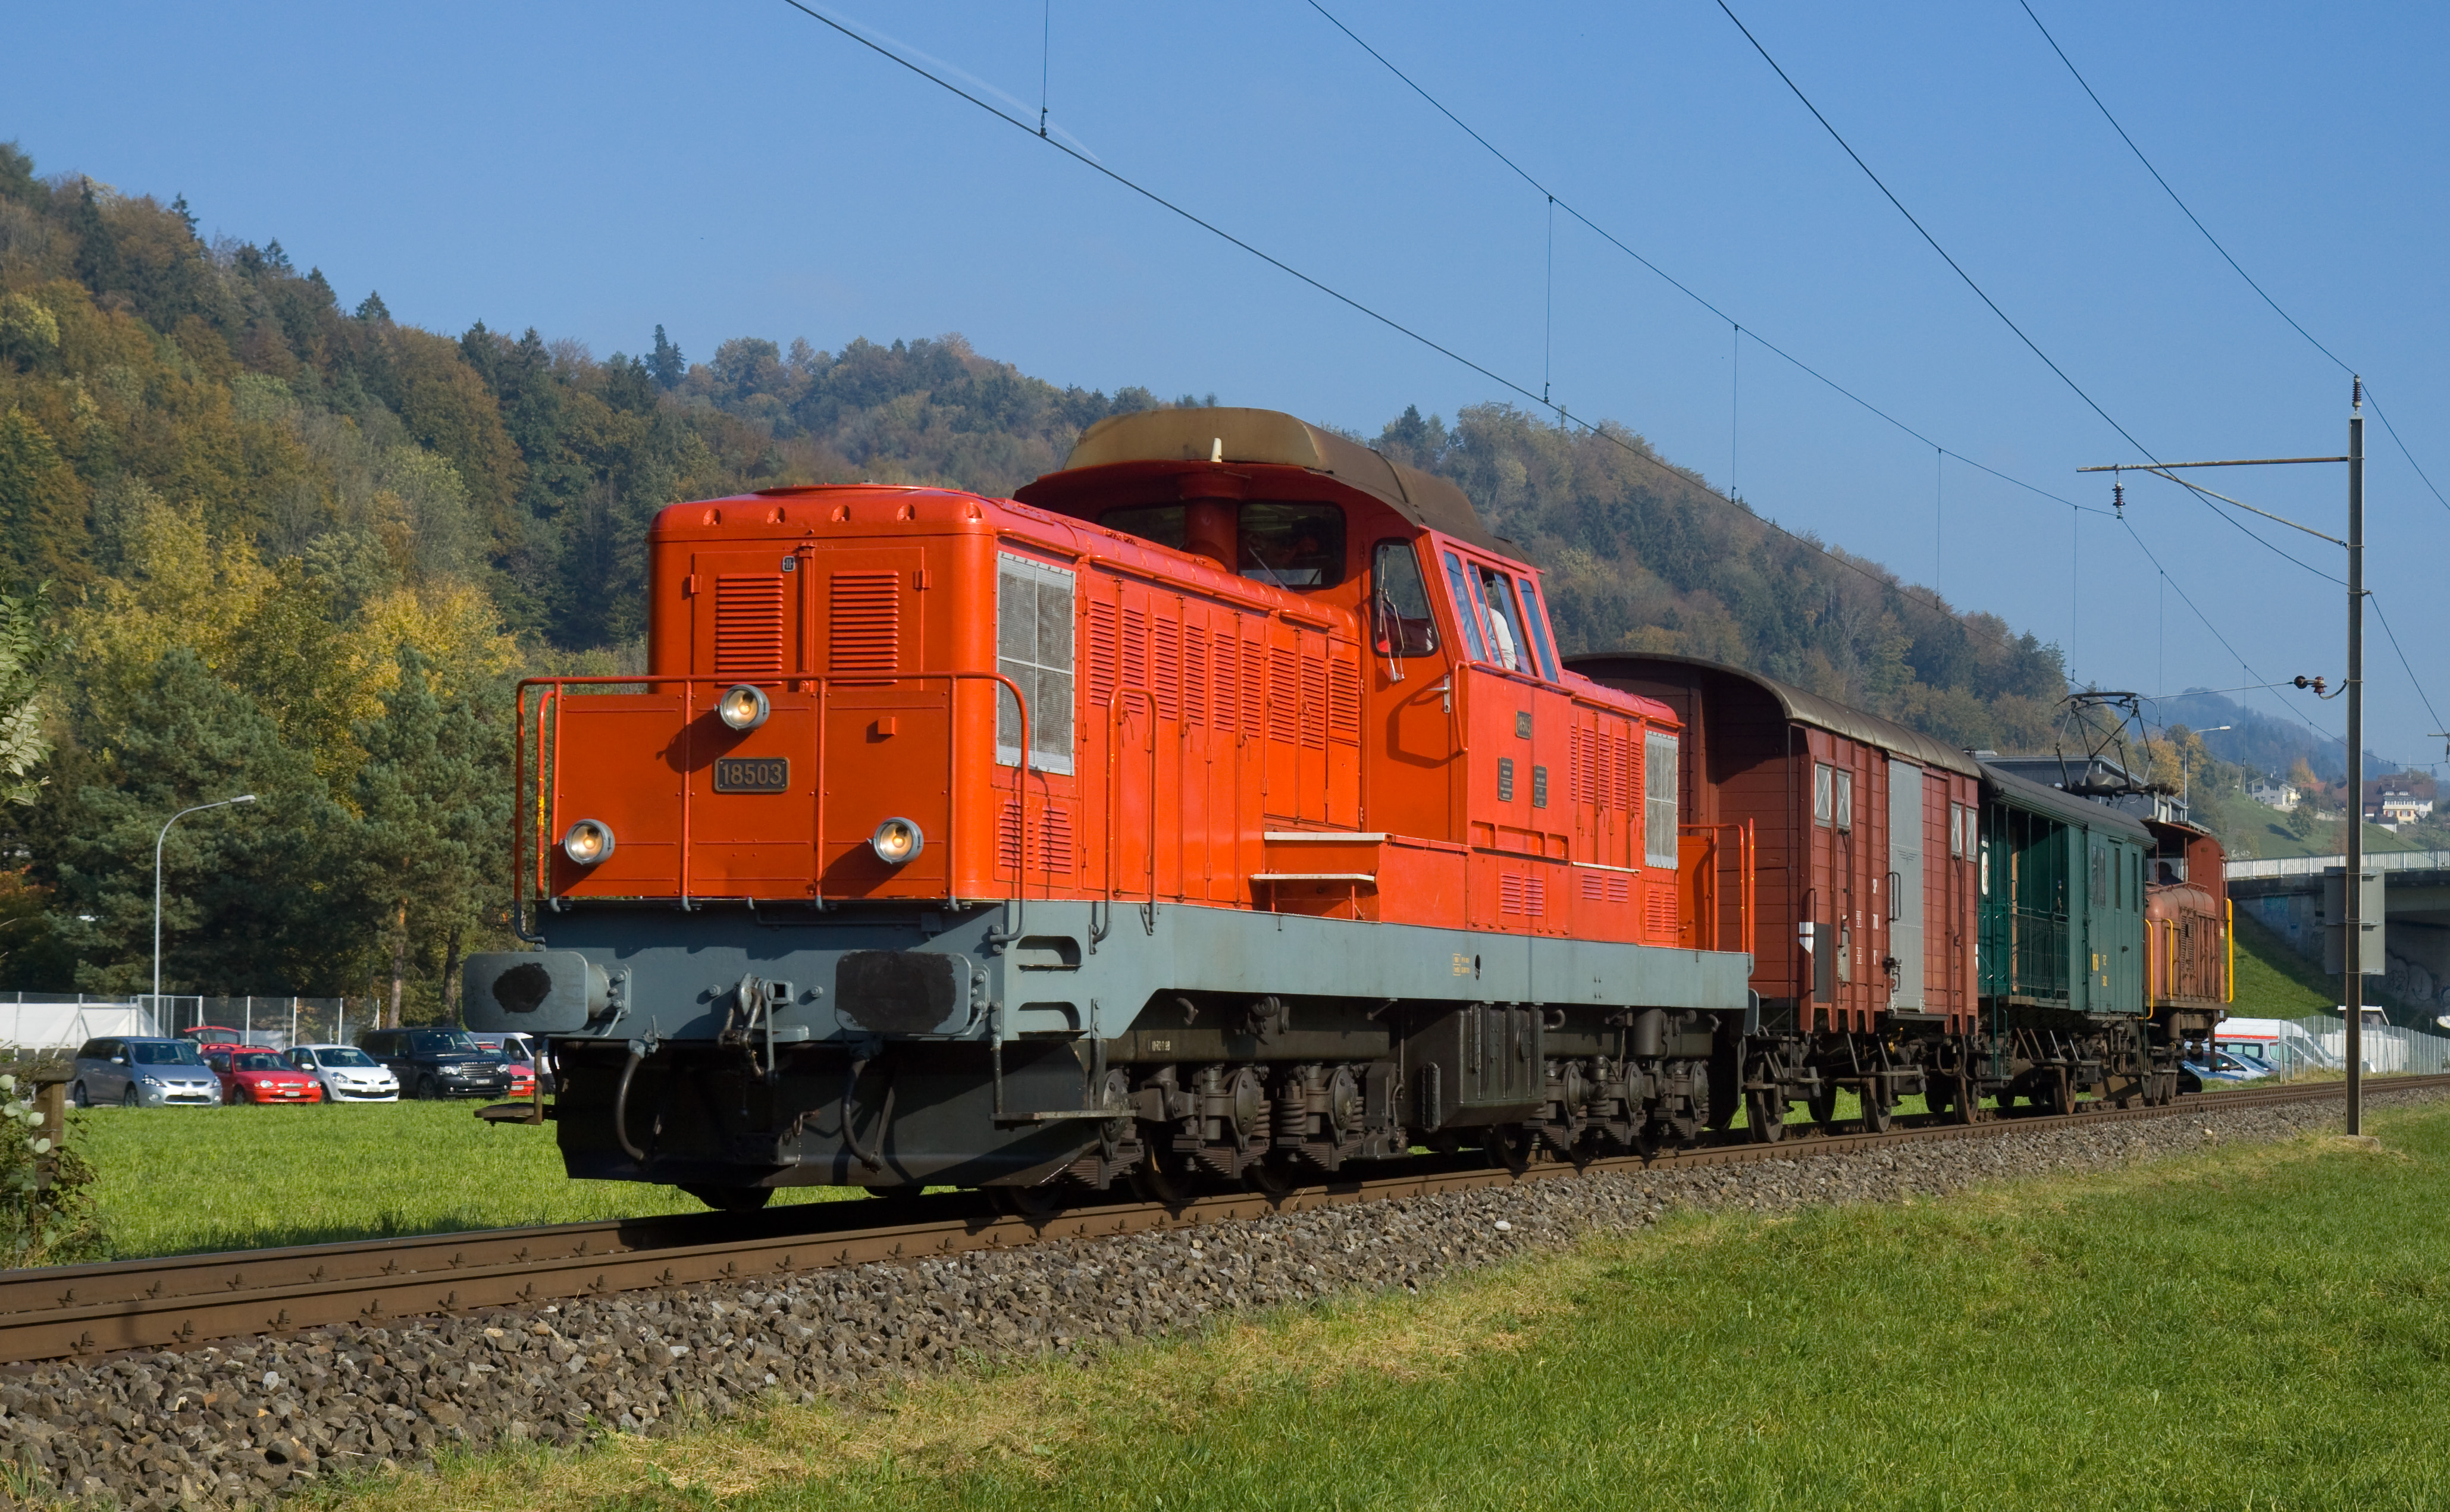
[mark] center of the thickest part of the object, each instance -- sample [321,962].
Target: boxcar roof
[1230,434]
[2061,805]
[1800,708]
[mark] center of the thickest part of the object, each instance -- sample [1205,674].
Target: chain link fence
[36,1021]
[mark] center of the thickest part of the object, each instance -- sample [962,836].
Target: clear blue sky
[740,169]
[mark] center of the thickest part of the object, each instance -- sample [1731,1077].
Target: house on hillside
[2273,793]
[2397,806]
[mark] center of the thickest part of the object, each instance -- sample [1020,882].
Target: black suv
[438,1062]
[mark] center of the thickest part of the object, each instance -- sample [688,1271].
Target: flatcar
[1935,924]
[1217,810]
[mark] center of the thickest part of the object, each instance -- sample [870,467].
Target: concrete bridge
[2287,895]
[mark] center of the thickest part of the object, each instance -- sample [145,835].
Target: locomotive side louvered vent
[1050,841]
[1284,696]
[1344,702]
[749,624]
[866,627]
[1104,638]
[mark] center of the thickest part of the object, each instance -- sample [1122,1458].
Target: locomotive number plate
[753,774]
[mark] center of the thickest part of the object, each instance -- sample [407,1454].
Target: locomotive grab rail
[552,697]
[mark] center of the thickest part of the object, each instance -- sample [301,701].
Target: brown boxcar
[1867,880]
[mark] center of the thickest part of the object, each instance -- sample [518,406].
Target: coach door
[1905,885]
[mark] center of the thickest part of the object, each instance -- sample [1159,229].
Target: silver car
[349,1074]
[142,1073]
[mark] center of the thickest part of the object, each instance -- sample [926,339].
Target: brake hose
[621,1102]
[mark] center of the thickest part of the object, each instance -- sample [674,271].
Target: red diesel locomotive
[1217,810]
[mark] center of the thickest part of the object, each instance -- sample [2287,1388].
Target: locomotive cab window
[1298,546]
[1508,647]
[1537,623]
[1034,648]
[1292,545]
[1399,603]
[1467,609]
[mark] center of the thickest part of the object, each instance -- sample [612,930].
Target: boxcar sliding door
[1905,885]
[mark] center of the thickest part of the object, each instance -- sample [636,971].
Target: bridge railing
[2315,865]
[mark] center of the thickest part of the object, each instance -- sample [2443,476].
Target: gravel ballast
[241,1423]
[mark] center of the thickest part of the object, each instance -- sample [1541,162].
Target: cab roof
[1225,437]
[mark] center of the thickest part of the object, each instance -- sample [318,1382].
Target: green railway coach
[2061,908]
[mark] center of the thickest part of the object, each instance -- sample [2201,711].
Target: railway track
[187,1300]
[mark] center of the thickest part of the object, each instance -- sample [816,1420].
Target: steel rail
[182,1301]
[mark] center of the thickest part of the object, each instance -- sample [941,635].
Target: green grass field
[2247,1327]
[180,1180]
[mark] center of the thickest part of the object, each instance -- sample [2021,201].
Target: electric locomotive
[1217,810]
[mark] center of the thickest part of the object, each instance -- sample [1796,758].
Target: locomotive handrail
[1115,789]
[819,685]
[1744,877]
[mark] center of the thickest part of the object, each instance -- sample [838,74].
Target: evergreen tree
[666,362]
[42,505]
[373,308]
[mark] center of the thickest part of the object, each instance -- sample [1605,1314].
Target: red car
[253,1074]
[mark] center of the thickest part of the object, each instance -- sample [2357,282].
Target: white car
[349,1074]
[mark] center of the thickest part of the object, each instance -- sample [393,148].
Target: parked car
[438,1062]
[349,1074]
[253,1074]
[2221,1066]
[526,1059]
[142,1072]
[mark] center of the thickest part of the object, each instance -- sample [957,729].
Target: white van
[2283,1043]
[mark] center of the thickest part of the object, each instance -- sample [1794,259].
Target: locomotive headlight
[588,841]
[896,840]
[744,706]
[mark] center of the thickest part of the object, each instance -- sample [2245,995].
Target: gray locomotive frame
[738,1046]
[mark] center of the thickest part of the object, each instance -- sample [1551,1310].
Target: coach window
[1466,607]
[1401,624]
[1034,648]
[1537,623]
[1825,793]
[1659,799]
[1293,545]
[1844,783]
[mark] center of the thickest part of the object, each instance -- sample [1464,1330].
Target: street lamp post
[242,798]
[2185,790]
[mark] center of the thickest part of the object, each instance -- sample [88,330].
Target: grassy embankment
[179,1180]
[2248,1326]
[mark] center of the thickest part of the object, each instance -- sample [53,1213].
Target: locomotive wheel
[1878,1116]
[1765,1115]
[1268,1179]
[733,1199]
[1511,1147]
[1164,1176]
[1821,1103]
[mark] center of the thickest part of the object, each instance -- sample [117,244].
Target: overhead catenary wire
[2409,668]
[1957,268]
[2235,266]
[1739,329]
[1590,428]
